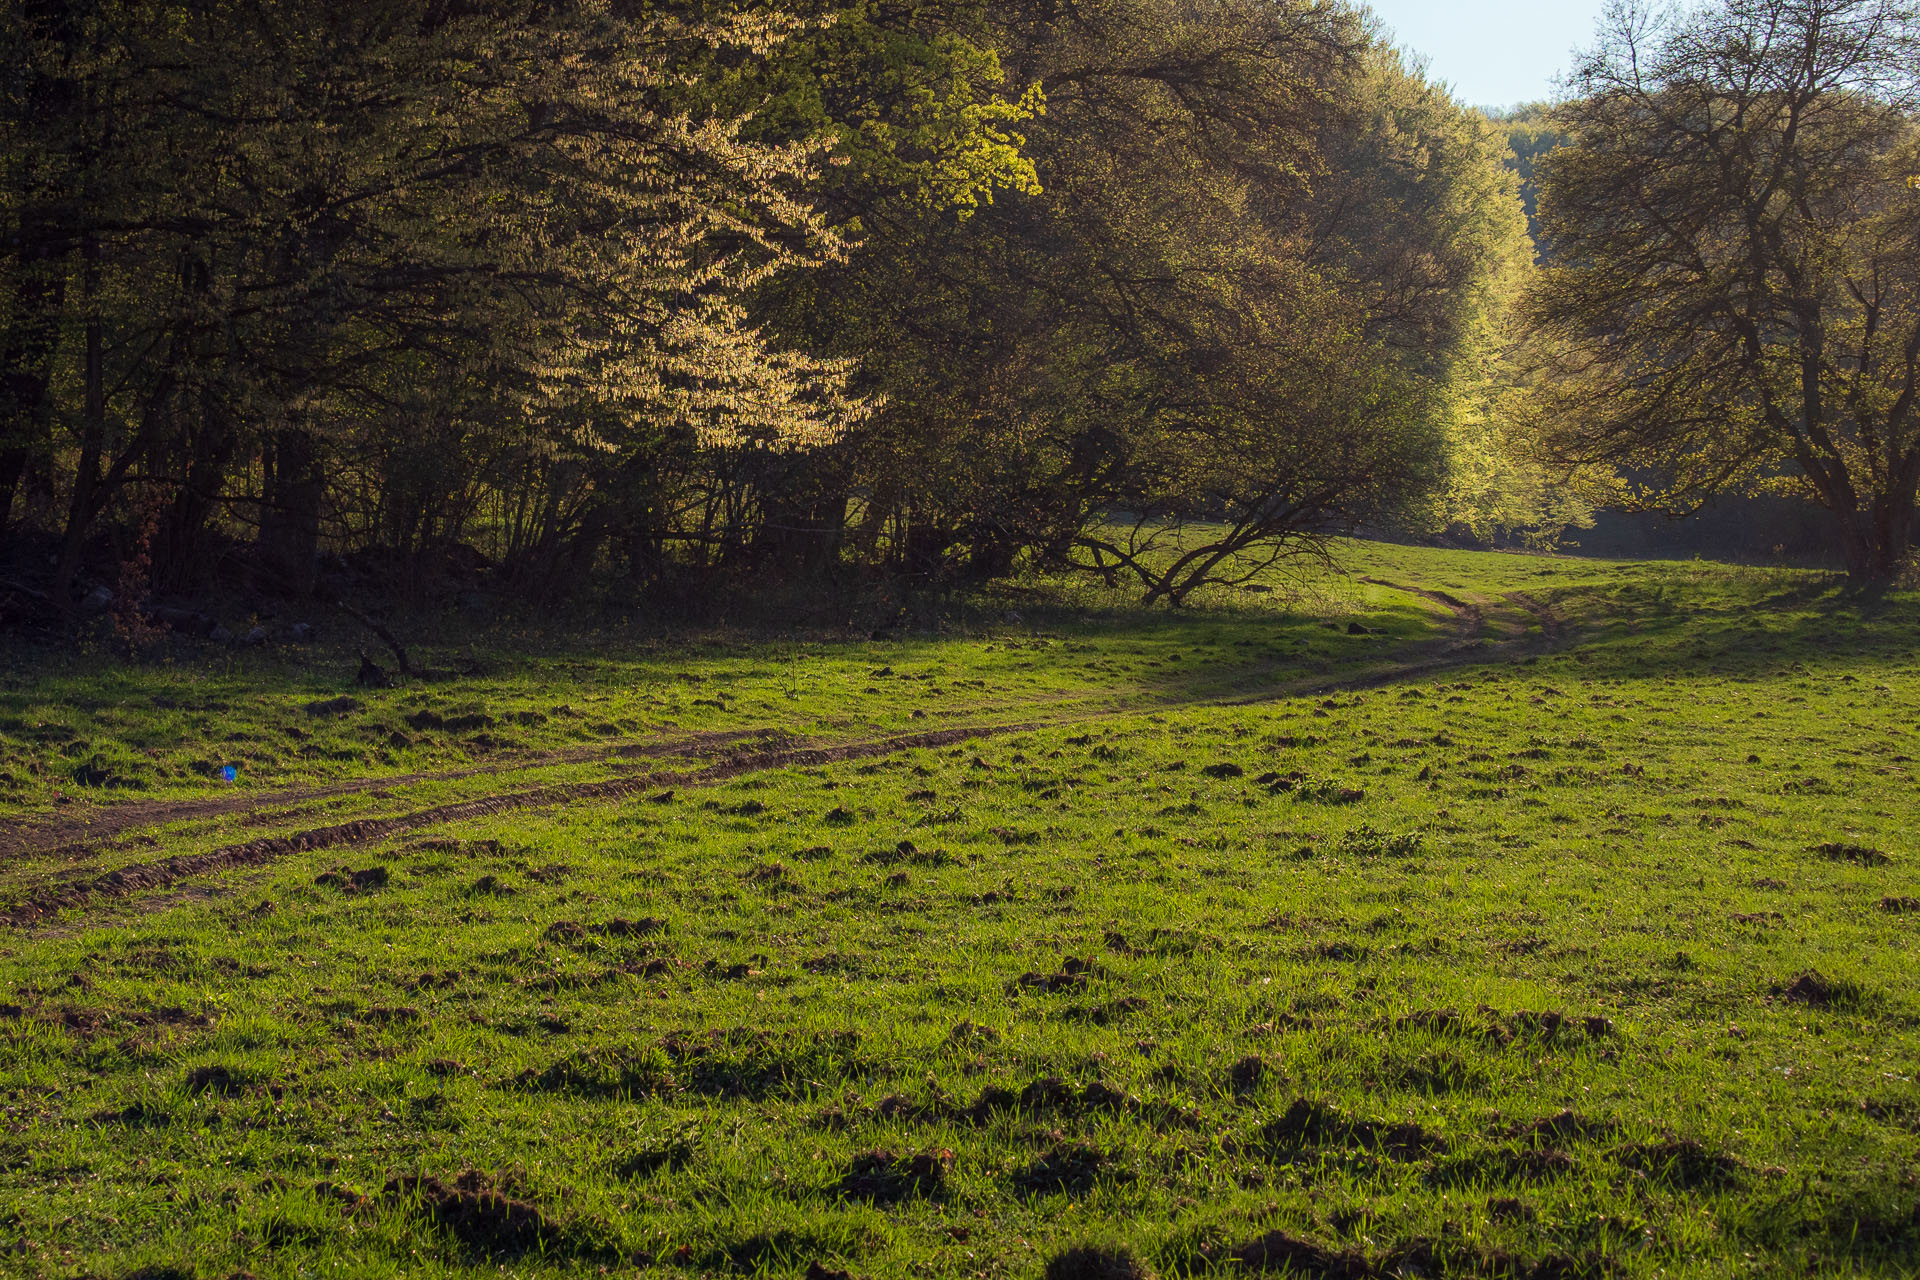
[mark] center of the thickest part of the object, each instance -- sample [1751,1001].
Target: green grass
[77,729]
[952,1011]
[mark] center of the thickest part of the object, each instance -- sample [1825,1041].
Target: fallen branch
[406,668]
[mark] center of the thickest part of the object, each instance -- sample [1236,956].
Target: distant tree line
[623,294]
[614,292]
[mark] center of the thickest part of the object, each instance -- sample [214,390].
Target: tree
[1219,319]
[954,286]
[1530,135]
[926,129]
[256,243]
[1734,296]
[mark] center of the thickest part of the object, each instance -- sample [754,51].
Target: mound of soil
[1566,1126]
[1068,1166]
[1681,1162]
[1308,1123]
[1819,991]
[476,1214]
[886,1177]
[1841,851]
[1096,1262]
[215,1079]
[1279,1252]
[332,706]
[1247,1075]
[348,881]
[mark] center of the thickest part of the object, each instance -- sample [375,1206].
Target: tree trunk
[13,468]
[1876,543]
[42,244]
[86,501]
[180,559]
[803,516]
[991,556]
[1893,520]
[1864,532]
[289,543]
[800,541]
[26,359]
[923,548]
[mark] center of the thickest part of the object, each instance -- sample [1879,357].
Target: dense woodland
[623,297]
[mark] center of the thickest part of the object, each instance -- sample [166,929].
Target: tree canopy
[1733,300]
[592,294]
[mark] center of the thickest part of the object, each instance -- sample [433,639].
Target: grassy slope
[1298,1009]
[78,730]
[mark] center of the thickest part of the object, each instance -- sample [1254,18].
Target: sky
[1495,53]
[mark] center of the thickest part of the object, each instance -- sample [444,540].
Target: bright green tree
[1734,301]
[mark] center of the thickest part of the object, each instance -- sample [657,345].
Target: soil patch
[1316,1124]
[1095,1262]
[886,1177]
[477,1215]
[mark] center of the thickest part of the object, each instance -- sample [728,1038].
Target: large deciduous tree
[1734,292]
[257,247]
[1220,321]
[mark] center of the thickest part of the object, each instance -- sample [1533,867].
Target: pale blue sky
[1495,53]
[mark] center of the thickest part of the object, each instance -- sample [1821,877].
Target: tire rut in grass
[1551,625]
[39,903]
[122,882]
[82,834]
[85,833]
[1468,617]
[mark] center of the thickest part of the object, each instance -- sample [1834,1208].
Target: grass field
[77,729]
[1557,922]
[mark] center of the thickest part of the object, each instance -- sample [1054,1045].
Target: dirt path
[1552,629]
[49,899]
[54,835]
[39,902]
[83,834]
[1469,620]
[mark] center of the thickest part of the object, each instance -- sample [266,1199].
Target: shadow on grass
[1825,625]
[1872,1219]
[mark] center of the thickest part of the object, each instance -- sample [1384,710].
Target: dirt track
[47,899]
[55,835]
